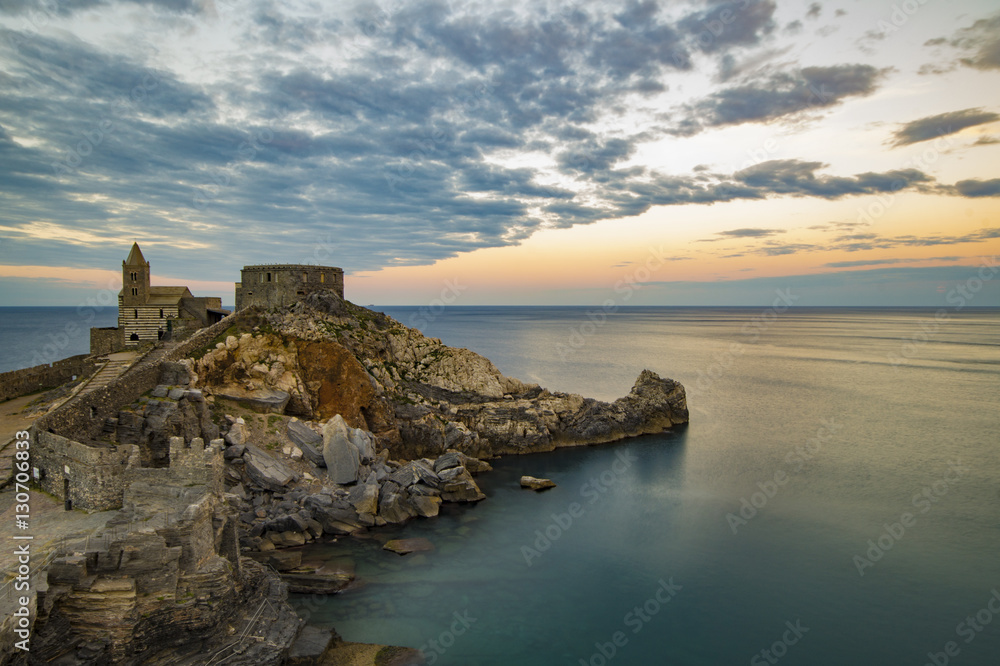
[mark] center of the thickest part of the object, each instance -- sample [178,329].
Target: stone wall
[69,436]
[93,475]
[278,286]
[84,418]
[29,380]
[105,341]
[191,464]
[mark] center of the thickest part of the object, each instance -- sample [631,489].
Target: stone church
[148,314]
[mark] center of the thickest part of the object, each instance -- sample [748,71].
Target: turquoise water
[842,426]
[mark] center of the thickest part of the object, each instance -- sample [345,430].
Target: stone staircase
[111,371]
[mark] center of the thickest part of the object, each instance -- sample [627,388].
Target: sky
[492,152]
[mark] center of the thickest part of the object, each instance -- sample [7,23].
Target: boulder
[459,486]
[337,520]
[265,471]
[237,435]
[339,451]
[288,523]
[426,506]
[234,452]
[393,506]
[364,497]
[307,439]
[536,483]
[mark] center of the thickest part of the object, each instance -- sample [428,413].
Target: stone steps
[111,371]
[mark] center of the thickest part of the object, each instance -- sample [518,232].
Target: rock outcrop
[417,396]
[168,590]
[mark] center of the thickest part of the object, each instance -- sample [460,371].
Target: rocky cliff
[418,396]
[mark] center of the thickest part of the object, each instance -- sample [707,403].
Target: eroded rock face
[163,595]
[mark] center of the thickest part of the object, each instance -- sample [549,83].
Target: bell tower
[135,278]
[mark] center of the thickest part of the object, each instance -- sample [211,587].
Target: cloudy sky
[504,152]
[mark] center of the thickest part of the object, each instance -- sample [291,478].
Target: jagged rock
[307,439]
[459,486]
[265,471]
[335,518]
[287,523]
[452,459]
[263,400]
[364,496]
[426,506]
[406,546]
[285,560]
[160,391]
[405,476]
[176,393]
[234,452]
[341,455]
[237,435]
[536,483]
[393,506]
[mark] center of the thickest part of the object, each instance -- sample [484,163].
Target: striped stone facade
[141,323]
[147,313]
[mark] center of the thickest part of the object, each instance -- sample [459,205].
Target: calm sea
[32,336]
[835,500]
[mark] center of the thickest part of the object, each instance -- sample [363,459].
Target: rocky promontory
[318,421]
[417,396]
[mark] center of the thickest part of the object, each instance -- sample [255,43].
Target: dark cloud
[884,262]
[978,188]
[750,233]
[727,24]
[942,124]
[799,178]
[815,9]
[781,95]
[986,141]
[982,40]
[395,150]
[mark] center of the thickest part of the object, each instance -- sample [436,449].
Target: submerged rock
[406,546]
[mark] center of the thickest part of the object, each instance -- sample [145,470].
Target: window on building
[135,291]
[322,277]
[161,313]
[135,314]
[305,277]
